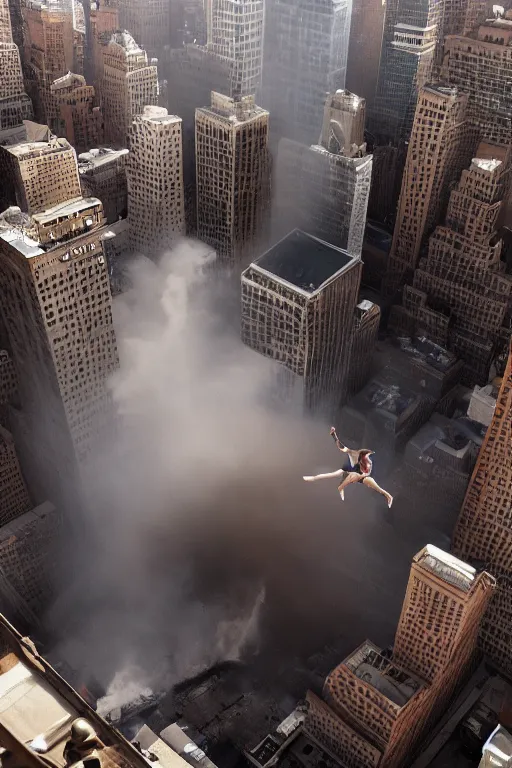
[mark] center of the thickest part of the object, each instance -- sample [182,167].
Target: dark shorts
[349,468]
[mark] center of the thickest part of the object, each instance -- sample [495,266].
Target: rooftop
[304,261]
[372,667]
[64,210]
[38,711]
[34,148]
[126,41]
[96,157]
[447,567]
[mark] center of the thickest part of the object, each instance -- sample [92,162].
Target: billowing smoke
[197,504]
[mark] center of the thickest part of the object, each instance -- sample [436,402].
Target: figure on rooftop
[357,470]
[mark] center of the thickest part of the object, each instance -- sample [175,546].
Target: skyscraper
[147,22]
[156,211]
[129,83]
[14,498]
[480,64]
[378,705]
[232,176]
[460,292]
[483,530]
[366,328]
[50,53]
[78,119]
[439,148]
[55,294]
[42,174]
[103,175]
[366,31]
[324,189]
[305,56]
[15,106]
[411,33]
[298,303]
[235,32]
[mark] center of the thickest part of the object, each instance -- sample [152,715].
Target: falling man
[358,470]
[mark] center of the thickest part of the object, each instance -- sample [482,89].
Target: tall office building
[480,64]
[42,173]
[298,303]
[148,22]
[51,48]
[411,31]
[483,532]
[366,31]
[29,547]
[305,57]
[156,209]
[8,379]
[232,176]
[324,189]
[55,294]
[128,84]
[79,120]
[366,328]
[15,106]
[378,705]
[14,498]
[235,32]
[439,148]
[103,175]
[461,292]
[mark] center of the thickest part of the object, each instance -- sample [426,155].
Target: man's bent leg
[370,483]
[348,479]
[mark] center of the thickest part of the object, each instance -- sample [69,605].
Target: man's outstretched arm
[338,442]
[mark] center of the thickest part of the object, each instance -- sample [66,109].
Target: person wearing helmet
[358,470]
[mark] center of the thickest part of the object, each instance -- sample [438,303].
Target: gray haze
[199,506]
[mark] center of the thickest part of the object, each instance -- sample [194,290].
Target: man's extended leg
[370,482]
[350,477]
[326,476]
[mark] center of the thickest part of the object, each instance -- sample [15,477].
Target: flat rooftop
[304,261]
[370,665]
[25,149]
[447,567]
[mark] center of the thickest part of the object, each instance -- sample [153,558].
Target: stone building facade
[8,379]
[483,531]
[232,176]
[366,32]
[303,60]
[378,705]
[324,189]
[298,302]
[42,173]
[235,32]
[128,84]
[51,47]
[57,308]
[14,498]
[148,23]
[366,328]
[480,64]
[460,293]
[103,175]
[79,120]
[28,555]
[440,147]
[15,106]
[156,207]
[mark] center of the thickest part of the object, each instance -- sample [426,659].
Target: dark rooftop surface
[304,261]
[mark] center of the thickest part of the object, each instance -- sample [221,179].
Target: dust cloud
[197,503]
